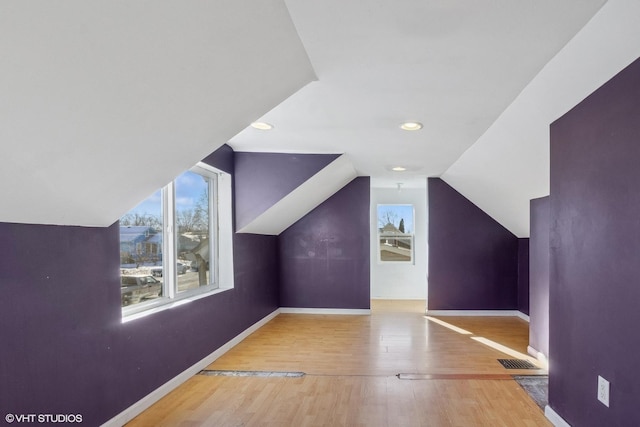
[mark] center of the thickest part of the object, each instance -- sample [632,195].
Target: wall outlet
[603,391]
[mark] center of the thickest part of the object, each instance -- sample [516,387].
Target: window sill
[167,304]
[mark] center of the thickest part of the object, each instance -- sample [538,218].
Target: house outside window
[395,233]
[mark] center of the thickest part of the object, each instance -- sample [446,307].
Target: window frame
[220,267]
[411,236]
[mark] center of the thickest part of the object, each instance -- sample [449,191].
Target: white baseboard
[356,311]
[523,316]
[541,357]
[137,408]
[506,313]
[555,419]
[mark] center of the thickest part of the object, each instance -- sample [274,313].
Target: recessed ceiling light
[398,168]
[261,125]
[411,126]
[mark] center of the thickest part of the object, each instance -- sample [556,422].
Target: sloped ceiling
[509,164]
[261,180]
[454,65]
[103,102]
[303,199]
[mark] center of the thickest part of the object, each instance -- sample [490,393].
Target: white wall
[400,280]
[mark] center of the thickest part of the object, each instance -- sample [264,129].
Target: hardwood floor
[351,365]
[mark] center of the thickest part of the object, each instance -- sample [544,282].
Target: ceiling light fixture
[411,126]
[261,125]
[399,168]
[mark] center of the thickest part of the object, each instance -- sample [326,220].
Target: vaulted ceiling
[102,102]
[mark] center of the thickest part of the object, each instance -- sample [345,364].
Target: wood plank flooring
[351,365]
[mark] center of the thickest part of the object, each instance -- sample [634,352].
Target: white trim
[141,405]
[555,419]
[523,316]
[506,313]
[226,274]
[293,310]
[165,304]
[541,357]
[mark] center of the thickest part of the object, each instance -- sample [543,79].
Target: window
[194,220]
[395,233]
[169,242]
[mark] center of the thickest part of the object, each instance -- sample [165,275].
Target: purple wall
[324,257]
[523,275]
[473,260]
[262,179]
[223,158]
[595,242]
[539,275]
[63,348]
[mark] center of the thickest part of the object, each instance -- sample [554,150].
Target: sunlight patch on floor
[448,325]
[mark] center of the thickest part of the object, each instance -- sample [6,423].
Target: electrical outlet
[603,391]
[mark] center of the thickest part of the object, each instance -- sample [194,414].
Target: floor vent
[214,373]
[517,364]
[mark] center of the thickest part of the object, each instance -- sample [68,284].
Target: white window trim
[222,223]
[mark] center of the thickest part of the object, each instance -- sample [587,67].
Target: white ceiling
[102,102]
[105,101]
[509,164]
[454,65]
